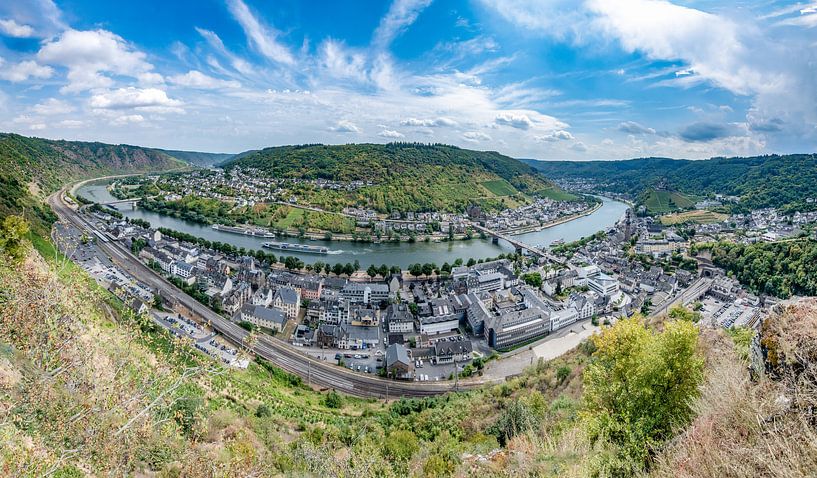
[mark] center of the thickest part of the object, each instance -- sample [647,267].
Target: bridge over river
[519,245]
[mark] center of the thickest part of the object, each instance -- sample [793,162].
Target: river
[401,254]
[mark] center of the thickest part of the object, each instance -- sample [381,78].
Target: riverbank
[402,254]
[555,222]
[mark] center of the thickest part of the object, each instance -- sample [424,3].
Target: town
[287,200]
[439,323]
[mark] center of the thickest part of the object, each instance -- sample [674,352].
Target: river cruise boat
[244,231]
[285,246]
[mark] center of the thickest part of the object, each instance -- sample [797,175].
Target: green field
[662,202]
[499,187]
[556,193]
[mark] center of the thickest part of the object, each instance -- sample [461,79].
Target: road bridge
[519,245]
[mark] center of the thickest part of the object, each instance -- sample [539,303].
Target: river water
[401,254]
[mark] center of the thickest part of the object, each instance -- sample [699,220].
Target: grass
[499,187]
[693,217]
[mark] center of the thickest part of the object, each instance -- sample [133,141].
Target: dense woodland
[781,269]
[785,182]
[31,168]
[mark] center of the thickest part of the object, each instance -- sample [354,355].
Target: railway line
[316,373]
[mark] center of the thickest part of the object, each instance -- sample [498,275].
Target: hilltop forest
[786,182]
[408,176]
[31,168]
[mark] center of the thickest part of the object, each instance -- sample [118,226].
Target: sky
[545,79]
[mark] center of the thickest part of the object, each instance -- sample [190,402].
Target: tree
[533,279]
[327,268]
[383,270]
[427,269]
[348,269]
[13,231]
[356,265]
[372,271]
[337,269]
[416,270]
[471,262]
[638,388]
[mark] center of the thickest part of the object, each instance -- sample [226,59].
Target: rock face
[786,346]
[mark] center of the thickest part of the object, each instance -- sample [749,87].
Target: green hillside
[662,202]
[198,158]
[32,168]
[786,181]
[405,176]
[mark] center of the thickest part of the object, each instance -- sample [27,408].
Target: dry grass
[746,429]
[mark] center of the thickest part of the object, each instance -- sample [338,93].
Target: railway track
[316,373]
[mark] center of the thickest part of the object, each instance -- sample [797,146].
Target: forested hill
[197,157]
[31,168]
[408,176]
[761,181]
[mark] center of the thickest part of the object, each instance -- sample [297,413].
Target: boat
[557,242]
[243,231]
[286,246]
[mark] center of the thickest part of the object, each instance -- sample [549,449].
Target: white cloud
[239,64]
[260,36]
[14,29]
[560,135]
[37,126]
[390,133]
[131,97]
[88,54]
[71,124]
[128,119]
[429,123]
[52,106]
[197,79]
[518,121]
[337,61]
[475,136]
[631,127]
[344,126]
[400,16]
[579,147]
[24,70]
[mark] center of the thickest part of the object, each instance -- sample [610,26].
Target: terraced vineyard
[662,202]
[693,217]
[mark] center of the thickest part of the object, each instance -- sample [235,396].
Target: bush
[400,445]
[333,400]
[516,418]
[562,373]
[638,388]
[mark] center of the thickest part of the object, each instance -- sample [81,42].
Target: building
[364,316]
[603,284]
[329,336]
[398,362]
[358,337]
[288,300]
[447,351]
[517,327]
[365,293]
[586,308]
[438,324]
[264,317]
[184,271]
[399,319]
[563,318]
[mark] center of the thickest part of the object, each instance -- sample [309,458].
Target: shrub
[333,400]
[638,388]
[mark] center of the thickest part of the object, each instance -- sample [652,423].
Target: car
[357,356]
[338,356]
[379,353]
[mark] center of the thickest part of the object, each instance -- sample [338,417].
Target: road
[314,372]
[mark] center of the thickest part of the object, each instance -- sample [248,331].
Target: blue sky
[548,79]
